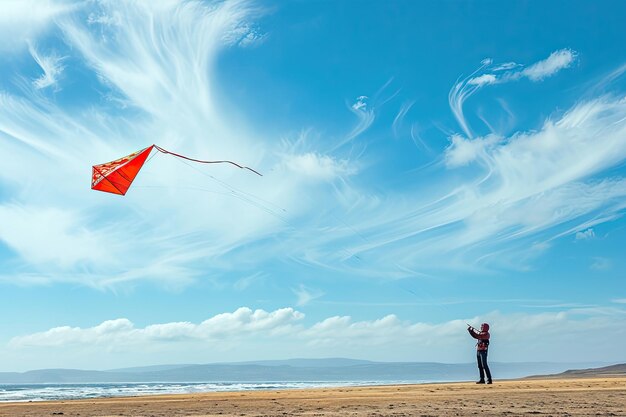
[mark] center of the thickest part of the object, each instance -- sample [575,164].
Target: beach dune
[548,397]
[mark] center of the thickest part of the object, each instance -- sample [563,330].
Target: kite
[116,176]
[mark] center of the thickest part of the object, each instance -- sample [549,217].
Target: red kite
[117,176]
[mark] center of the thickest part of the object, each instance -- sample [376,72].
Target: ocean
[50,392]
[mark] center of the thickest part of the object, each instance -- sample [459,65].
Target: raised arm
[473,332]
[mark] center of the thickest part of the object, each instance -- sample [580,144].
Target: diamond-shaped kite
[117,176]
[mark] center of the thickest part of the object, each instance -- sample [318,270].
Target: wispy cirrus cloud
[601,263]
[306,295]
[399,119]
[365,115]
[51,65]
[153,75]
[244,283]
[310,207]
[490,74]
[502,199]
[360,103]
[365,108]
[500,207]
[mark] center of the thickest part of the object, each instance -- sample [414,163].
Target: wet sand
[539,397]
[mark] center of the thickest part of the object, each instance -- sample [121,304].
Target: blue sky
[425,164]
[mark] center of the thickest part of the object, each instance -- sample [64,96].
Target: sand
[548,397]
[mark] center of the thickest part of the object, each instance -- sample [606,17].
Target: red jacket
[483,338]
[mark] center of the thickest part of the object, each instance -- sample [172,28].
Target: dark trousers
[483,367]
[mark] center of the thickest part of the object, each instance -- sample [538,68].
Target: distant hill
[310,363]
[151,368]
[292,370]
[612,370]
[296,363]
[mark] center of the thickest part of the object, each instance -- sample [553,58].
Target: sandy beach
[549,397]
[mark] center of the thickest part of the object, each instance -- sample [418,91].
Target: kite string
[242,195]
[257,202]
[165,151]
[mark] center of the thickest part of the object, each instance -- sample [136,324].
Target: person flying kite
[482,346]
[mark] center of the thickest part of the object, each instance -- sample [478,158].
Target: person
[482,347]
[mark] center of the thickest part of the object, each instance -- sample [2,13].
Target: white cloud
[306,295]
[506,66]
[252,38]
[464,151]
[417,138]
[240,323]
[601,264]
[365,116]
[104,19]
[318,167]
[385,338]
[586,234]
[557,61]
[503,73]
[46,235]
[483,80]
[244,35]
[108,332]
[619,301]
[460,92]
[512,190]
[398,120]
[246,282]
[360,103]
[52,68]
[128,57]
[23,20]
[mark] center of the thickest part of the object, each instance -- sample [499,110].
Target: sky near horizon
[425,164]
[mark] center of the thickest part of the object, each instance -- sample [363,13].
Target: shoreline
[73,391]
[549,396]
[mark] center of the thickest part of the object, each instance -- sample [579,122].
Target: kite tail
[158,148]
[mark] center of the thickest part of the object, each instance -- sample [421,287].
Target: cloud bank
[343,336]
